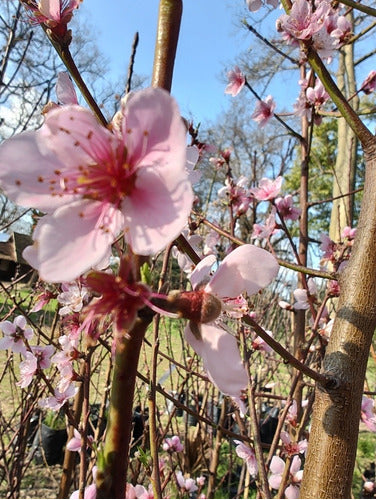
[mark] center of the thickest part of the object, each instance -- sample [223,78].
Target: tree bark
[332,447]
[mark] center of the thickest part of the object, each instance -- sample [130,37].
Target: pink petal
[221,358]
[201,272]
[295,465]
[275,481]
[7,327]
[65,91]
[50,8]
[292,492]
[153,130]
[73,240]
[77,138]
[24,160]
[157,209]
[247,269]
[277,465]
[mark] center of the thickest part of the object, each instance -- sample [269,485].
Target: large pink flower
[95,184]
[246,269]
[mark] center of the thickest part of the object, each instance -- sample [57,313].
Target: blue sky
[210,40]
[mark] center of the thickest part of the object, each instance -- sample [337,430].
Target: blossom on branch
[246,269]
[369,84]
[54,14]
[15,335]
[277,466]
[286,208]
[95,183]
[236,81]
[248,455]
[264,111]
[267,189]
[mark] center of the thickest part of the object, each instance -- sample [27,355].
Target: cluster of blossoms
[310,98]
[268,190]
[337,253]
[37,358]
[237,194]
[322,24]
[264,108]
[290,448]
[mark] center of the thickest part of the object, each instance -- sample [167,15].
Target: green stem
[66,57]
[113,461]
[351,117]
[359,6]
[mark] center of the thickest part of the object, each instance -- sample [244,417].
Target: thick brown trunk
[331,456]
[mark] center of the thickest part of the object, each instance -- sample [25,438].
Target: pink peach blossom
[286,208]
[248,455]
[369,84]
[186,483]
[43,355]
[267,189]
[72,298]
[301,295]
[367,415]
[348,233]
[301,23]
[264,111]
[75,443]
[28,367]
[246,269]
[292,448]
[261,231]
[173,444]
[95,183]
[236,81]
[56,401]
[15,334]
[54,14]
[277,466]
[237,194]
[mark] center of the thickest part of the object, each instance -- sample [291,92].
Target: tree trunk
[332,447]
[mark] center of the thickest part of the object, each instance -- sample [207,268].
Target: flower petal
[220,354]
[201,272]
[160,137]
[73,239]
[247,269]
[65,90]
[28,185]
[156,211]
[77,138]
